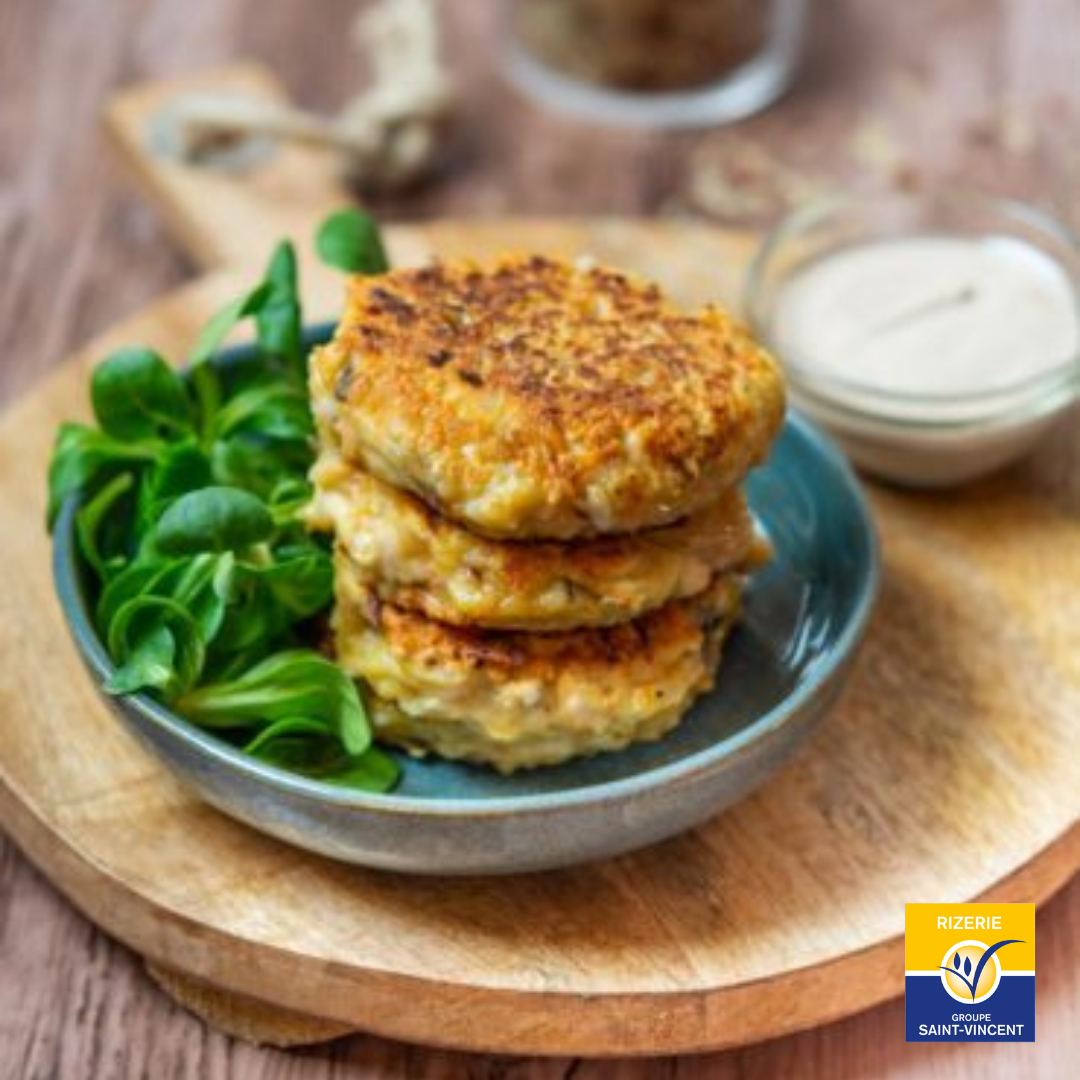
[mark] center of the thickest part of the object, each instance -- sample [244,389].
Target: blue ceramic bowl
[784,665]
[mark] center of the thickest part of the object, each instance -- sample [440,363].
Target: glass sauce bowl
[933,435]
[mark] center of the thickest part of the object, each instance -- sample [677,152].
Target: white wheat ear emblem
[973,981]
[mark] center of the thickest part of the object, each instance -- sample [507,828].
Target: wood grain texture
[984,93]
[950,769]
[220,215]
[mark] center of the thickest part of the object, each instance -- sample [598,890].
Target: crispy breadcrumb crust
[539,399]
[519,700]
[415,559]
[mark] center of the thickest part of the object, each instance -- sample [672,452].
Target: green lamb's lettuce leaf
[213,519]
[301,751]
[302,585]
[100,529]
[255,622]
[213,334]
[259,465]
[134,580]
[192,491]
[204,379]
[350,240]
[278,319]
[84,458]
[373,770]
[286,729]
[146,661]
[157,645]
[275,410]
[180,467]
[136,395]
[203,584]
[290,685]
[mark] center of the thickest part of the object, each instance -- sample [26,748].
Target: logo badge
[970,972]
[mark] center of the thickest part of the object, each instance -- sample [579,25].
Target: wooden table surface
[956,90]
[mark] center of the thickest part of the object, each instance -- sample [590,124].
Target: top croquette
[541,399]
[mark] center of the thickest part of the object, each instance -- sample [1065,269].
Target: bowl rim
[815,680]
[1027,398]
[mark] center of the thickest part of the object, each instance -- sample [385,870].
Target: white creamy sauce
[946,316]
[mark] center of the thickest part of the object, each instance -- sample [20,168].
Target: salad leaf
[203,585]
[192,491]
[204,379]
[288,500]
[84,458]
[213,519]
[179,467]
[258,465]
[254,620]
[297,683]
[374,770]
[135,579]
[148,662]
[322,759]
[136,395]
[278,319]
[214,333]
[158,646]
[286,729]
[93,520]
[350,240]
[301,585]
[277,410]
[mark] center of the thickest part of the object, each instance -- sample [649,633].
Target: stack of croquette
[531,471]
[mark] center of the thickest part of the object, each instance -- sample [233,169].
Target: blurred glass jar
[660,63]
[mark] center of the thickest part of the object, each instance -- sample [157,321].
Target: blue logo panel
[931,1014]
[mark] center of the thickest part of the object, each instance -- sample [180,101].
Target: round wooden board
[950,771]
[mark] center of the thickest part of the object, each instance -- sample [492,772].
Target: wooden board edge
[491,1019]
[245,1018]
